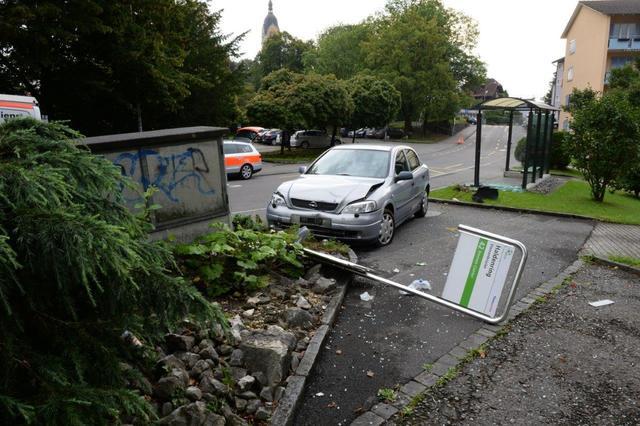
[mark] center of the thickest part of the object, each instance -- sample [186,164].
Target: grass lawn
[573,198]
[631,261]
[296,155]
[558,172]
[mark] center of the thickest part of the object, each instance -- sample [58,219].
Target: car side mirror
[404,175]
[302,169]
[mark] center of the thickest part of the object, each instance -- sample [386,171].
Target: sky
[519,39]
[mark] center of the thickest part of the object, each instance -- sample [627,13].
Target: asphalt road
[394,336]
[450,163]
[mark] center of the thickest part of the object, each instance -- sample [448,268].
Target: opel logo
[313,204]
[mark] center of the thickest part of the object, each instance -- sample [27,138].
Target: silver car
[354,193]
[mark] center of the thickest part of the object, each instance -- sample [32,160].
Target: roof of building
[558,60]
[269,21]
[490,89]
[606,7]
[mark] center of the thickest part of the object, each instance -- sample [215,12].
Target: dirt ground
[561,362]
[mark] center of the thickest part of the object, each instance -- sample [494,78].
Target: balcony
[625,44]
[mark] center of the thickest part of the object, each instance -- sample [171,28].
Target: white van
[12,106]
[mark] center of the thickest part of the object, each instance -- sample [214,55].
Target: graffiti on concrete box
[167,172]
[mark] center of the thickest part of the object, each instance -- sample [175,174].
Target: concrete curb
[379,414]
[513,209]
[618,265]
[288,405]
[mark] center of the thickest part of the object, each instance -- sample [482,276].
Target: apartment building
[601,35]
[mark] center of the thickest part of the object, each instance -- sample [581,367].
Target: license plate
[305,220]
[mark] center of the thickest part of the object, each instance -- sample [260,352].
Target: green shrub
[630,180]
[560,156]
[76,270]
[519,151]
[226,260]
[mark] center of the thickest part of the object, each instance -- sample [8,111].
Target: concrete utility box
[187,167]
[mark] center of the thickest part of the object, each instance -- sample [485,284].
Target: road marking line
[454,165]
[234,186]
[249,211]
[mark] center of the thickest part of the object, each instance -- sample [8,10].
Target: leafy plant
[226,260]
[76,271]
[387,395]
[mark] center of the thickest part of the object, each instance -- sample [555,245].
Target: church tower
[270,26]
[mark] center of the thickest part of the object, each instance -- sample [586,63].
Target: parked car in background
[354,193]
[241,159]
[360,133]
[248,134]
[392,132]
[370,132]
[312,139]
[12,106]
[270,137]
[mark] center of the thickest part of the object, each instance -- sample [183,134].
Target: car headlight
[277,200]
[361,207]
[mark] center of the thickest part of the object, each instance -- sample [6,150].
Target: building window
[625,31]
[567,100]
[621,61]
[572,47]
[565,124]
[570,74]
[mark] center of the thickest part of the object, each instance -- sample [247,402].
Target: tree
[289,100]
[423,49]
[376,102]
[340,51]
[604,138]
[282,50]
[118,66]
[77,270]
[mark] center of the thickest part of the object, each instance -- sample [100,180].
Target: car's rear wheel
[387,228]
[246,171]
[304,145]
[274,142]
[424,205]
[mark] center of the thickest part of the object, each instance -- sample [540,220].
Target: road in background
[450,163]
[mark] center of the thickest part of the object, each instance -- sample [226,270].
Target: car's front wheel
[424,205]
[246,171]
[387,228]
[304,145]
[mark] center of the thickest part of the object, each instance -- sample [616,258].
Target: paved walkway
[610,239]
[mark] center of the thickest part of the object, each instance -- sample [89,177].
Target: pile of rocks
[212,377]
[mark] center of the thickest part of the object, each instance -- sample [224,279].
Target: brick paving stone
[413,388]
[368,419]
[384,410]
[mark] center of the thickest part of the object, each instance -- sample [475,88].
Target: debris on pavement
[421,263]
[370,373]
[366,297]
[320,394]
[396,270]
[420,285]
[603,302]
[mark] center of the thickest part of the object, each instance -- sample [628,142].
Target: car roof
[237,142]
[371,147]
[251,128]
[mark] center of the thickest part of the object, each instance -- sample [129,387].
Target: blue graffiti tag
[170,172]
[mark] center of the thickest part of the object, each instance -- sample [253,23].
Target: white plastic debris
[320,394]
[421,263]
[365,297]
[396,270]
[420,285]
[603,302]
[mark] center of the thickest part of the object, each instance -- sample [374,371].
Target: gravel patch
[550,184]
[561,362]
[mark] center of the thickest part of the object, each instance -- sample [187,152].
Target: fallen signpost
[476,280]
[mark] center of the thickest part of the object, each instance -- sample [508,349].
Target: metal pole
[526,150]
[476,173]
[506,167]
[536,149]
[547,158]
[545,144]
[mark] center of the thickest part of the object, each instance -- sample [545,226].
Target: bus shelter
[540,124]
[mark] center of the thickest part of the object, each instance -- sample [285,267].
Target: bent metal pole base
[371,274]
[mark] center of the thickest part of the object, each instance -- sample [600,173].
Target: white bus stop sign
[478,273]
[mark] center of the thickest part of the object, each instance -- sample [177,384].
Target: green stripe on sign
[473,273]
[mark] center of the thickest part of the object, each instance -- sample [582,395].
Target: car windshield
[352,162]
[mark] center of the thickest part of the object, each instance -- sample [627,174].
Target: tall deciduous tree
[423,49]
[116,66]
[376,101]
[282,50]
[340,51]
